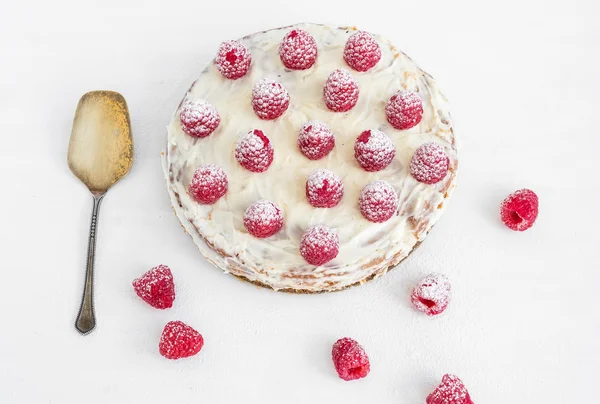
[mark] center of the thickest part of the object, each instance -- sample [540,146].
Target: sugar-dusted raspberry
[156,287]
[319,245]
[350,359]
[520,210]
[362,51]
[208,184]
[374,150]
[450,391]
[341,91]
[315,140]
[254,151]
[198,118]
[263,219]
[429,163]
[378,201]
[179,340]
[432,294]
[404,109]
[269,99]
[233,59]
[324,189]
[298,50]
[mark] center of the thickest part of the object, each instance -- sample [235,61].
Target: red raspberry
[362,51]
[341,91]
[520,210]
[404,109]
[319,245]
[269,99]
[374,150]
[233,59]
[350,359]
[324,189]
[156,287]
[198,118]
[432,294]
[450,391]
[263,219]
[429,163]
[179,340]
[208,184]
[254,151]
[315,140]
[378,201]
[298,50]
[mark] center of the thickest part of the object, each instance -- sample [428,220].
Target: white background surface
[524,323]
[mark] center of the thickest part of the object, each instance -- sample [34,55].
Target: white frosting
[366,249]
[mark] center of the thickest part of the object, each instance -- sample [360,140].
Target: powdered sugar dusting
[378,201]
[341,91]
[315,139]
[429,163]
[432,294]
[263,218]
[269,99]
[404,109]
[362,51]
[233,59]
[208,184]
[298,50]
[324,189]
[374,150]
[450,391]
[319,245]
[198,118]
[254,151]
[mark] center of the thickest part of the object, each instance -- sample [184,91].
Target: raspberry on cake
[362,51]
[254,151]
[378,201]
[341,91]
[319,245]
[520,210]
[199,118]
[450,391]
[374,150]
[429,163]
[432,294]
[209,183]
[298,50]
[350,359]
[315,140]
[263,219]
[324,189]
[156,287]
[233,60]
[404,109]
[269,99]
[179,340]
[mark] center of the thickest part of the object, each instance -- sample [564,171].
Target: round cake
[310,158]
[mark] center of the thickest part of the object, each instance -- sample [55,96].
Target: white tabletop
[524,322]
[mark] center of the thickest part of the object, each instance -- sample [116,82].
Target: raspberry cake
[310,158]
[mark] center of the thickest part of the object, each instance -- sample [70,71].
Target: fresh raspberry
[429,163]
[432,294]
[350,359]
[362,51]
[315,140]
[298,50]
[179,340]
[156,287]
[450,391]
[208,184]
[404,109]
[233,59]
[374,150]
[324,189]
[520,209]
[378,201]
[254,151]
[341,91]
[198,118]
[269,99]
[263,219]
[319,245]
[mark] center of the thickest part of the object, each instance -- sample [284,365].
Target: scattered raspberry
[208,184]
[315,140]
[263,219]
[429,163]
[362,51]
[374,150]
[319,245]
[341,91]
[324,189]
[298,50]
[450,391]
[233,59]
[254,151]
[198,118]
[378,201]
[404,109]
[520,209]
[269,99]
[179,340]
[350,359]
[432,294]
[156,287]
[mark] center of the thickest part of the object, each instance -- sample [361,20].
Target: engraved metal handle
[86,319]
